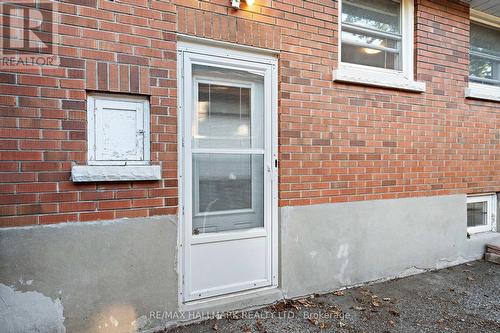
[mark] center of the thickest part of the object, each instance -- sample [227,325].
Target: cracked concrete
[29,311]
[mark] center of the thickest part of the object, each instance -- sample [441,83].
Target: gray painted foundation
[110,276]
[106,276]
[332,246]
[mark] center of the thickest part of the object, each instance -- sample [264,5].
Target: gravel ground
[463,298]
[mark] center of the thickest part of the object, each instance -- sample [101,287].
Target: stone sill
[377,78]
[483,91]
[114,173]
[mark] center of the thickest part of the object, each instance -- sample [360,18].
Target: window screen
[371,33]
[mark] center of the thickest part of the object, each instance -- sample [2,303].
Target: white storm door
[227,177]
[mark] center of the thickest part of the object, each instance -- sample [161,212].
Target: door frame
[239,53]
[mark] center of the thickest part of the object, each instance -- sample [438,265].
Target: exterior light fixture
[236,3]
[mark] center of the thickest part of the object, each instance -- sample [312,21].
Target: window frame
[476,89]
[92,129]
[369,75]
[491,200]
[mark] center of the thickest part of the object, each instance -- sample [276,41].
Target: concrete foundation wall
[330,246]
[87,277]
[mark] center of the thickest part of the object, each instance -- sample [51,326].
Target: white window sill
[479,231]
[113,173]
[483,91]
[483,235]
[377,78]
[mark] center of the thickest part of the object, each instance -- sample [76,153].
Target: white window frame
[491,200]
[381,77]
[479,90]
[91,129]
[95,171]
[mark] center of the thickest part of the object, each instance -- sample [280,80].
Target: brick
[57,218]
[102,76]
[114,204]
[17,221]
[36,208]
[77,206]
[94,216]
[338,142]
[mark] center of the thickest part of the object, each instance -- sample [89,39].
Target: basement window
[118,140]
[376,44]
[481,213]
[484,54]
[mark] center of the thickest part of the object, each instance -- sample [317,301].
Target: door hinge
[182,210]
[182,142]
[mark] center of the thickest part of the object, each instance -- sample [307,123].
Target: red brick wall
[338,142]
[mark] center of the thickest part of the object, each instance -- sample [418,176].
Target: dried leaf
[281,306]
[307,303]
[376,304]
[470,278]
[335,310]
[246,329]
[215,327]
[295,305]
[394,312]
[358,308]
[339,293]
[323,325]
[387,299]
[392,322]
[313,321]
[259,326]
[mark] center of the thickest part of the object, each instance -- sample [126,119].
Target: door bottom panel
[225,267]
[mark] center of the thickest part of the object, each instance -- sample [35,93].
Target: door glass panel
[477,214]
[229,108]
[228,192]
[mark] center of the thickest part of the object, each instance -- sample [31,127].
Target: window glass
[477,214]
[229,108]
[228,192]
[371,33]
[484,54]
[227,149]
